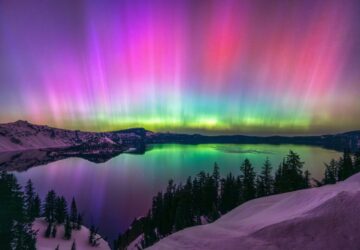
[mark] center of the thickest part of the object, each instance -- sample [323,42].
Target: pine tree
[49,206]
[36,209]
[293,173]
[307,179]
[229,194]
[79,222]
[73,213]
[216,177]
[29,200]
[260,187]
[73,246]
[48,230]
[346,168]
[357,162]
[60,209]
[91,235]
[248,180]
[15,229]
[267,178]
[330,173]
[67,229]
[54,231]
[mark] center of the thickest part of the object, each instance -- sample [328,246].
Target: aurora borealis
[258,67]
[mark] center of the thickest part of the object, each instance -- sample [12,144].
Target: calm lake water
[112,194]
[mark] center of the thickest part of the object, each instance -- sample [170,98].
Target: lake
[113,193]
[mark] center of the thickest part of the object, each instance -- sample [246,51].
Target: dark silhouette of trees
[73,246]
[49,206]
[54,231]
[357,162]
[73,214]
[229,194]
[345,166]
[48,231]
[15,226]
[248,180]
[94,238]
[265,181]
[67,229]
[330,175]
[60,209]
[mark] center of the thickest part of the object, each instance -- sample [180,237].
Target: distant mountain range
[24,145]
[22,135]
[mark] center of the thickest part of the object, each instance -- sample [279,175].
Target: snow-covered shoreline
[80,236]
[318,218]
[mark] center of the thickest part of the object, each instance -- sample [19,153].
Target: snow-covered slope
[317,218]
[22,135]
[80,237]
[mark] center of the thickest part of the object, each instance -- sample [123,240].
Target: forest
[207,196]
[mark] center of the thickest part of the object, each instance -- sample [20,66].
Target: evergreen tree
[60,209]
[73,246]
[15,228]
[357,162]
[330,173]
[214,215]
[49,206]
[229,194]
[54,231]
[267,178]
[48,230]
[260,187]
[184,215]
[293,172]
[36,210]
[307,179]
[150,236]
[248,180]
[29,200]
[57,247]
[67,229]
[91,235]
[216,177]
[346,168]
[79,222]
[73,213]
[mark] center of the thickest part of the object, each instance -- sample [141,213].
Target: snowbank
[81,238]
[317,218]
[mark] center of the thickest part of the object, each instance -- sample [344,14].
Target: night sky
[256,67]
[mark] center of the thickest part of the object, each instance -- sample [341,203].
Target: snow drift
[319,218]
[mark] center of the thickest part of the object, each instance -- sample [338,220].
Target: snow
[80,236]
[21,135]
[317,218]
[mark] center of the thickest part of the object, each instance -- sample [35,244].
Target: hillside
[317,218]
[22,135]
[80,237]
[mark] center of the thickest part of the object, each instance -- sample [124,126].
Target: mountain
[22,135]
[349,140]
[316,218]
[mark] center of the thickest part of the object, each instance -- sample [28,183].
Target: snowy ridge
[22,135]
[318,218]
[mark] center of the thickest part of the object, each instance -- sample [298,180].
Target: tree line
[19,208]
[207,196]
